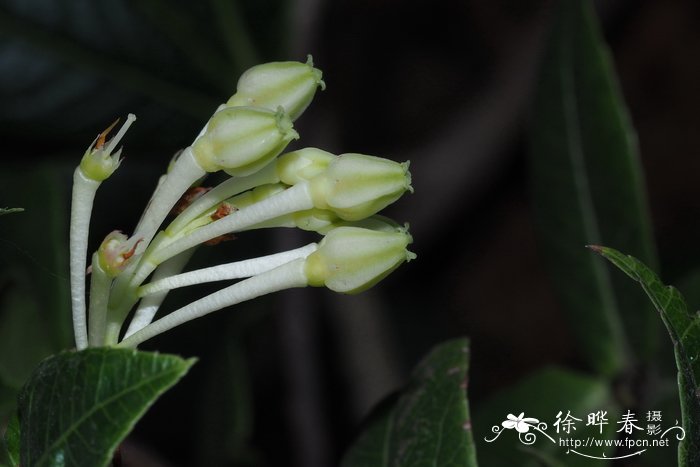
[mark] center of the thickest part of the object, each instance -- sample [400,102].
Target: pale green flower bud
[114,253]
[291,85]
[98,162]
[242,140]
[356,186]
[304,164]
[353,259]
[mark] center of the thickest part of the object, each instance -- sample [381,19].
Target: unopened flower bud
[356,186]
[291,85]
[114,252]
[353,259]
[242,140]
[303,164]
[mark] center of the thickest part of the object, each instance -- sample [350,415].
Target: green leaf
[588,188]
[542,395]
[10,210]
[78,406]
[684,329]
[11,442]
[429,422]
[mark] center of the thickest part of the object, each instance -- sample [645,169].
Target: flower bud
[291,85]
[242,140]
[303,164]
[353,259]
[114,252]
[356,186]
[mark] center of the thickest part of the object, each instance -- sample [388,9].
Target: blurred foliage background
[287,379]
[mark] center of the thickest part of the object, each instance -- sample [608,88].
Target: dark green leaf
[11,441]
[587,188]
[542,395]
[684,329]
[78,406]
[429,424]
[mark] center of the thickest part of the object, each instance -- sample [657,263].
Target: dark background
[446,84]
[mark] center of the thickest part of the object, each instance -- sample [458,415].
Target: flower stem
[84,190]
[231,187]
[148,306]
[289,275]
[184,172]
[236,270]
[295,198]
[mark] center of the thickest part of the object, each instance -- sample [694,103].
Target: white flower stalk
[290,168]
[335,189]
[287,276]
[184,172]
[348,260]
[296,198]
[149,306]
[291,85]
[97,165]
[352,259]
[225,190]
[228,271]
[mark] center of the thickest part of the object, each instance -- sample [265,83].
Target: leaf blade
[82,424]
[418,428]
[684,330]
[587,188]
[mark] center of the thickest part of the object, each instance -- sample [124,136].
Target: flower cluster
[337,196]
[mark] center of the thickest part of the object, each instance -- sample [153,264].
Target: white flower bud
[356,186]
[353,259]
[291,85]
[242,140]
